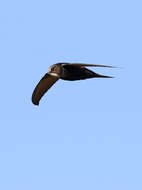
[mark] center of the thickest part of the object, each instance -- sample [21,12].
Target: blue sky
[85,134]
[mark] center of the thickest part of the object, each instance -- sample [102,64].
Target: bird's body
[73,72]
[65,71]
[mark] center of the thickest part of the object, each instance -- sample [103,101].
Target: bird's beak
[49,69]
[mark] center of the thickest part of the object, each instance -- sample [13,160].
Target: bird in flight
[64,71]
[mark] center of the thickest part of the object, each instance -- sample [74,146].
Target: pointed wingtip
[93,65]
[107,66]
[36,103]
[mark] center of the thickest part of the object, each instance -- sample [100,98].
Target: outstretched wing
[77,72]
[91,65]
[44,84]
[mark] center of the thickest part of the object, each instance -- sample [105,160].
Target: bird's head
[54,70]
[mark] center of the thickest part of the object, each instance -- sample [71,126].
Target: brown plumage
[65,71]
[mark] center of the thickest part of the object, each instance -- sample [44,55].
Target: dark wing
[90,65]
[44,84]
[79,72]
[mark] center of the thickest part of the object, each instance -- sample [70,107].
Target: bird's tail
[96,75]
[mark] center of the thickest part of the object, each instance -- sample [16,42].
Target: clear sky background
[85,134]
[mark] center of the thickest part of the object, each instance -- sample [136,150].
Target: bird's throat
[54,74]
